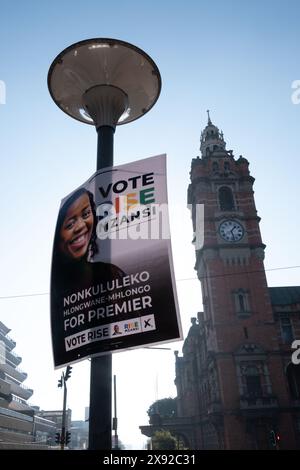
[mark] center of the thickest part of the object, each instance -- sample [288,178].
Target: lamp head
[104,82]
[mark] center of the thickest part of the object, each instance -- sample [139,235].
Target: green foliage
[166,408]
[163,440]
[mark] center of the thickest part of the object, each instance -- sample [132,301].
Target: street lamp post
[103,82]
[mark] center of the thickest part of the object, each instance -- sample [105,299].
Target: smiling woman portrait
[75,232]
[75,246]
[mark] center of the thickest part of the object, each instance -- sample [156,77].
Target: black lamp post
[103,82]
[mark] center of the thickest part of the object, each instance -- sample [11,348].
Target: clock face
[231,231]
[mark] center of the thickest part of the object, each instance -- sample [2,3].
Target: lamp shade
[95,62]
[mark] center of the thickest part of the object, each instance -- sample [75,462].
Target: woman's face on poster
[76,230]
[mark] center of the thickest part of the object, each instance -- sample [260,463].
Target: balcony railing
[13,358]
[21,390]
[14,354]
[8,340]
[14,372]
[24,374]
[260,402]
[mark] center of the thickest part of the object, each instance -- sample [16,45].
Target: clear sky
[237,59]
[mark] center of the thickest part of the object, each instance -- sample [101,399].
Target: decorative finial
[209,121]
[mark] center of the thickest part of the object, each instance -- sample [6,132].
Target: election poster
[112,278]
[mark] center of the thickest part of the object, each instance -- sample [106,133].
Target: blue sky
[237,59]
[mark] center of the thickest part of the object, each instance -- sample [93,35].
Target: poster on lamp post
[112,278]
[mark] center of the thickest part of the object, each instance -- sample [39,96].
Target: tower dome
[212,140]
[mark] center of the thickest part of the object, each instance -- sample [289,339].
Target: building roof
[285,295]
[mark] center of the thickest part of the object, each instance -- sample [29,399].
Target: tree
[165,408]
[163,440]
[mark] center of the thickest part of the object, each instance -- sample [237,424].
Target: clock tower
[242,390]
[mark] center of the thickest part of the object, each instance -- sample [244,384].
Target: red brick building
[236,385]
[235,378]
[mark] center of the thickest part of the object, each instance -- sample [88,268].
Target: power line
[236,274]
[177,280]
[23,295]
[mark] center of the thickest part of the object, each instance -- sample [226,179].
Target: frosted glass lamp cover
[111,62]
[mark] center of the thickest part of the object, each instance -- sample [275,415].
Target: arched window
[226,166]
[226,199]
[241,303]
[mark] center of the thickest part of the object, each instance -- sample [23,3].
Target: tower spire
[212,140]
[208,120]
